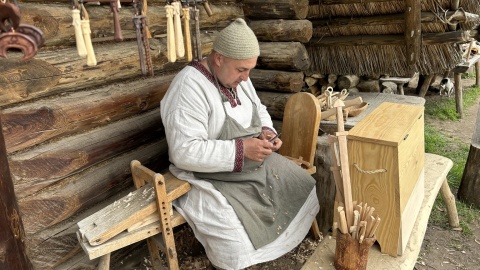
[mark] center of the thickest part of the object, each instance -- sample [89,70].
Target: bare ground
[442,247]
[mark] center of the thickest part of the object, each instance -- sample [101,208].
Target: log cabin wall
[71,129]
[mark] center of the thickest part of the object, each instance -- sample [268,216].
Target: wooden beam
[338,2]
[12,249]
[367,40]
[459,93]
[426,17]
[413,31]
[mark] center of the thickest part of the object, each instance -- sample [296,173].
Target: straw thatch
[383,59]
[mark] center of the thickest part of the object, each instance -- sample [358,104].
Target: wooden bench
[436,170]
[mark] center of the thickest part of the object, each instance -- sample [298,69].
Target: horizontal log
[34,123]
[60,71]
[277,80]
[275,9]
[338,2]
[426,17]
[56,20]
[367,40]
[282,30]
[58,243]
[283,56]
[50,163]
[84,190]
[275,103]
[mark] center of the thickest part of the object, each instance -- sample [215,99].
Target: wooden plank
[12,252]
[131,209]
[126,238]
[436,170]
[465,66]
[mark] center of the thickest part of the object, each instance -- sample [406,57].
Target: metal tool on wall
[140,25]
[14,35]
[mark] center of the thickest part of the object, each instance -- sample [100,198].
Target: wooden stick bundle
[355,219]
[364,225]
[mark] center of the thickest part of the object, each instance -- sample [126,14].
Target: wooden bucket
[350,254]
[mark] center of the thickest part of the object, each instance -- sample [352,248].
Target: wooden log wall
[71,129]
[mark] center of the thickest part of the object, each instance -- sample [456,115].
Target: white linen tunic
[192,106]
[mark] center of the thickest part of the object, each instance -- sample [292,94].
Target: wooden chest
[386,158]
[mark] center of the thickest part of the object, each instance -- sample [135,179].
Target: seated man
[247,204]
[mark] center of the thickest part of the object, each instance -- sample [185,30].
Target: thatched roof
[385,58]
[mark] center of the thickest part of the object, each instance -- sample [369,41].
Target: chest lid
[389,124]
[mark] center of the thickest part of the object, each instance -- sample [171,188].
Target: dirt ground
[442,247]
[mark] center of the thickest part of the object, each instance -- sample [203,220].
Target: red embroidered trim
[238,166]
[233,102]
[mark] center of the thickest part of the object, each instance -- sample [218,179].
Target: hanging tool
[186,30]
[82,51]
[171,53]
[144,12]
[114,6]
[198,39]
[206,6]
[177,23]
[24,37]
[140,24]
[85,24]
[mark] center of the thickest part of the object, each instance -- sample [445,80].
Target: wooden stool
[397,80]
[140,215]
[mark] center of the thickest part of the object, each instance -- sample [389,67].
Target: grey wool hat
[237,41]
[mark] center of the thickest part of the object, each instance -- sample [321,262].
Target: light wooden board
[436,170]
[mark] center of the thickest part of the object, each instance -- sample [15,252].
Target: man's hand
[257,149]
[269,135]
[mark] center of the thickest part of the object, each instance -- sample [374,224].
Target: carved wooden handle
[188,37]
[82,51]
[207,8]
[91,60]
[116,21]
[180,48]
[171,53]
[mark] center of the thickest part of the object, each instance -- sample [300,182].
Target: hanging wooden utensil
[171,52]
[179,46]
[188,39]
[85,24]
[79,41]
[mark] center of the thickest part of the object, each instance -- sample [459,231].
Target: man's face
[231,71]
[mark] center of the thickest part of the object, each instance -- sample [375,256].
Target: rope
[369,172]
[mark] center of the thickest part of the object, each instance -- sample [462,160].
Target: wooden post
[477,73]
[426,85]
[470,184]
[459,93]
[454,5]
[12,235]
[413,31]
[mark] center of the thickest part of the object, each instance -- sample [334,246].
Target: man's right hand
[256,149]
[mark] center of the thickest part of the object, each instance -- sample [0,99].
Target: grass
[438,143]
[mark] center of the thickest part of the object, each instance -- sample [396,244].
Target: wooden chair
[147,211]
[301,122]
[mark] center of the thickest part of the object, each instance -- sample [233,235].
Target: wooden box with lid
[386,161]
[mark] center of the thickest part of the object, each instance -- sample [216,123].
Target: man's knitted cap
[237,41]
